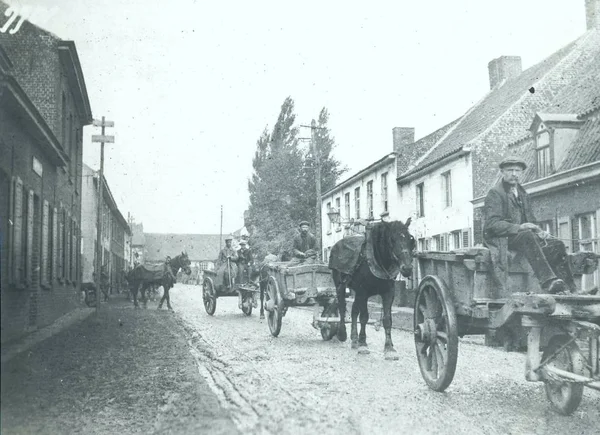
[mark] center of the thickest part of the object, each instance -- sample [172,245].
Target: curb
[9,351]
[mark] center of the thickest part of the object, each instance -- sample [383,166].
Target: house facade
[114,230]
[43,109]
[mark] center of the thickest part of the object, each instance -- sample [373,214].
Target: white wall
[438,218]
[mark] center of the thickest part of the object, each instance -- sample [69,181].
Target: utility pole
[101,139]
[317,157]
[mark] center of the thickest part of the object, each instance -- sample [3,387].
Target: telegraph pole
[317,157]
[101,139]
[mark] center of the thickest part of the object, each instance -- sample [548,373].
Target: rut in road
[250,415]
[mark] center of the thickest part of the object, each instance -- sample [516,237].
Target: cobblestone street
[297,383]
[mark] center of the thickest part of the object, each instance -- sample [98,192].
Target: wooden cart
[213,288]
[458,296]
[301,285]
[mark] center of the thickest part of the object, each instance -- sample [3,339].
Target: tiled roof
[505,114]
[410,153]
[199,247]
[586,146]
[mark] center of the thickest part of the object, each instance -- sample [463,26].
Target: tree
[282,185]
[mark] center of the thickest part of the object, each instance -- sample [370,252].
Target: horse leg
[387,299]
[353,327]
[341,302]
[134,292]
[364,318]
[168,298]
[262,301]
[162,299]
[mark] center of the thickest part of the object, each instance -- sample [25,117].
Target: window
[54,262]
[357,203]
[447,189]
[347,205]
[370,199]
[564,232]
[338,208]
[428,244]
[584,229]
[329,220]
[64,122]
[542,143]
[384,192]
[420,200]
[36,227]
[421,244]
[456,239]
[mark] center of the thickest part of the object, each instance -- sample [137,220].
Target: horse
[142,277]
[369,265]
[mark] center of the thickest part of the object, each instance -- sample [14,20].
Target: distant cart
[303,285]
[213,288]
[458,296]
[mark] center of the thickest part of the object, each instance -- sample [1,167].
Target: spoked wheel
[209,296]
[247,304]
[274,303]
[564,396]
[436,333]
[329,329]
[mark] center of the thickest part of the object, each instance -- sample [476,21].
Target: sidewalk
[121,371]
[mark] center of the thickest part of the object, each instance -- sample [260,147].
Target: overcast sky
[191,85]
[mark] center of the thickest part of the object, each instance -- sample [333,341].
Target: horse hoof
[354,344]
[391,355]
[363,350]
[262,317]
[341,335]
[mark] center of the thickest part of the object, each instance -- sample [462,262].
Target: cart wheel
[564,396]
[275,315]
[436,333]
[247,299]
[329,329]
[209,296]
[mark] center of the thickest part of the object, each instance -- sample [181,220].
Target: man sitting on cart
[509,225]
[227,267]
[244,261]
[304,246]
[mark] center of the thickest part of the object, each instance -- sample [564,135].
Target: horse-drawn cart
[302,285]
[213,288]
[458,296]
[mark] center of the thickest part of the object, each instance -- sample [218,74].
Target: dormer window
[553,135]
[542,151]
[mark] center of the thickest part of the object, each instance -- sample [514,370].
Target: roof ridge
[444,136]
[576,44]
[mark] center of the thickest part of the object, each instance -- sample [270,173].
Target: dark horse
[142,277]
[368,265]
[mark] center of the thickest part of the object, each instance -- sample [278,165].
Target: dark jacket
[303,244]
[502,218]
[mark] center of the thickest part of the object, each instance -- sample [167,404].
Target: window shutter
[29,272]
[465,238]
[45,237]
[54,264]
[11,230]
[575,234]
[60,243]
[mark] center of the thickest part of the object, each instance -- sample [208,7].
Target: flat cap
[304,223]
[513,160]
[228,238]
[243,242]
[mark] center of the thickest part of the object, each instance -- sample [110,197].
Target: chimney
[592,14]
[403,136]
[504,67]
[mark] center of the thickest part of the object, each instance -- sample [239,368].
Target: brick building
[43,108]
[114,231]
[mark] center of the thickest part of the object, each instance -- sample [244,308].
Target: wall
[438,218]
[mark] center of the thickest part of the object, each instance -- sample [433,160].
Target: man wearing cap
[227,269]
[305,245]
[510,225]
[244,260]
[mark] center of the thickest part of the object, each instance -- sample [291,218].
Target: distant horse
[142,277]
[369,265]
